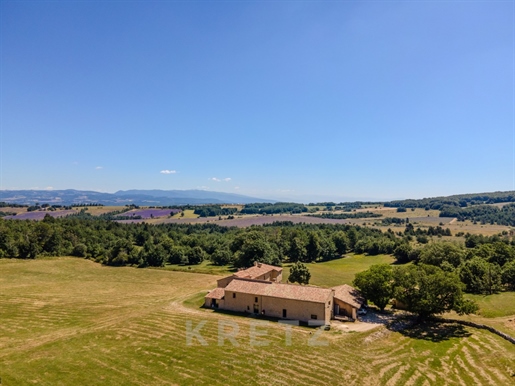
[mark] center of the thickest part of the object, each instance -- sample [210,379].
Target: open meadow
[70,321]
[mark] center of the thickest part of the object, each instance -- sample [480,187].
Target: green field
[68,321]
[497,305]
[340,271]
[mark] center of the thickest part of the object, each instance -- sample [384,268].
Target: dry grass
[13,210]
[98,210]
[478,229]
[69,321]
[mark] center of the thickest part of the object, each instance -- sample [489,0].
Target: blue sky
[298,100]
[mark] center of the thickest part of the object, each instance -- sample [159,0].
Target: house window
[284,313]
[233,295]
[313,316]
[255,300]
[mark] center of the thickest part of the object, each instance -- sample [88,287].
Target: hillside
[137,197]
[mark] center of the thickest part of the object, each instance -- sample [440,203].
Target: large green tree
[428,290]
[376,284]
[299,273]
[437,253]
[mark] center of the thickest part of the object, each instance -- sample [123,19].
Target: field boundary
[479,326]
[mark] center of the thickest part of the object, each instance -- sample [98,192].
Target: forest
[484,264]
[459,200]
[484,214]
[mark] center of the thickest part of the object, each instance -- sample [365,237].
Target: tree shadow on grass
[435,332]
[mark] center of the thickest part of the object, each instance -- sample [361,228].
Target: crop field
[98,210]
[68,321]
[392,212]
[40,215]
[470,227]
[188,213]
[13,210]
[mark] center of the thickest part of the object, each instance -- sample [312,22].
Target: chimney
[255,263]
[259,265]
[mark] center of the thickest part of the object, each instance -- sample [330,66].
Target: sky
[290,100]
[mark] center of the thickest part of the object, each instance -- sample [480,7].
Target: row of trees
[459,200]
[143,244]
[483,269]
[484,214]
[214,210]
[277,208]
[341,216]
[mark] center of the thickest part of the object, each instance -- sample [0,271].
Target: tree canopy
[376,284]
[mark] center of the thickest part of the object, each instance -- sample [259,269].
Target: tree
[313,248]
[222,256]
[437,253]
[254,247]
[402,253]
[176,255]
[299,273]
[297,250]
[427,290]
[341,242]
[480,276]
[376,284]
[153,255]
[502,253]
[196,255]
[508,274]
[80,250]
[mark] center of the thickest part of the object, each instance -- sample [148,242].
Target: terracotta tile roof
[278,290]
[256,271]
[217,293]
[349,295]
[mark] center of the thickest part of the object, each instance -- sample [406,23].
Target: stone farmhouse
[258,290]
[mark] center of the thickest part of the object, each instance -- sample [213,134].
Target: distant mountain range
[125,197]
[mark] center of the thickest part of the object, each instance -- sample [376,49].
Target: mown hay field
[68,321]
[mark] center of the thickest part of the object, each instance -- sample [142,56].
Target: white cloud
[49,188]
[227,179]
[236,187]
[99,167]
[166,171]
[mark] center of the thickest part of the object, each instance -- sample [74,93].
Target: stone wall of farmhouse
[297,309]
[240,303]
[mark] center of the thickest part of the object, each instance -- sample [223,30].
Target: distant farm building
[258,290]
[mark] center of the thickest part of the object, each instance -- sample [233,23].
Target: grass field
[68,321]
[188,213]
[340,271]
[493,306]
